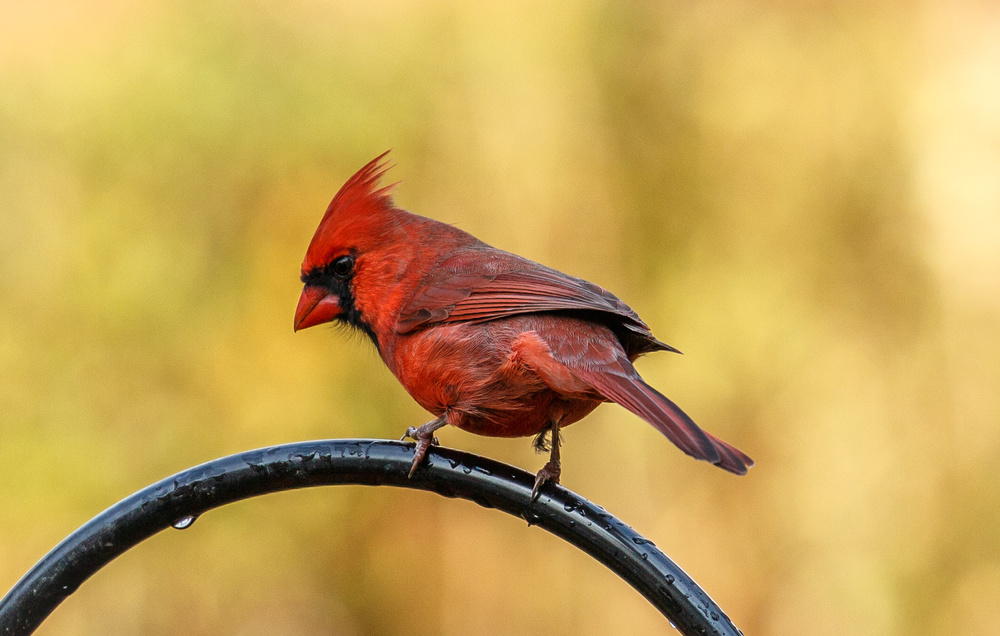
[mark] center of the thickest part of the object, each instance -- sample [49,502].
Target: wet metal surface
[177,502]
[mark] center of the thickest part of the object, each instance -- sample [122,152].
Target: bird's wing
[488,286]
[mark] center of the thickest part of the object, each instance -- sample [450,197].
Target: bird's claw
[549,473]
[418,455]
[424,437]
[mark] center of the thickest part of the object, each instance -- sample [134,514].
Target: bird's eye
[343,266]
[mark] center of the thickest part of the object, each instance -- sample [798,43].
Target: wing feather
[484,286]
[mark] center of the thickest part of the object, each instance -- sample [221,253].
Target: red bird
[486,340]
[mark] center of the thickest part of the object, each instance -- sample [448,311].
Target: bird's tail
[730,458]
[654,407]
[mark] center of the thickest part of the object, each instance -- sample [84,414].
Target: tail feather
[654,407]
[731,458]
[602,366]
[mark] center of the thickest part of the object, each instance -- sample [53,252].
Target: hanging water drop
[184,522]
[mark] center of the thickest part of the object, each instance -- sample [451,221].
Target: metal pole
[176,501]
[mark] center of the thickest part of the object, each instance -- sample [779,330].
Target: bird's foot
[414,433]
[424,436]
[549,473]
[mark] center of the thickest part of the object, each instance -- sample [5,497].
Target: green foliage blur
[803,197]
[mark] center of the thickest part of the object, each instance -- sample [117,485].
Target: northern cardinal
[486,340]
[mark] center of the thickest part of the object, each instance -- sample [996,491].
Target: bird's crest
[358,198]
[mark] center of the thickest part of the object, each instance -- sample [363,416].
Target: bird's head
[347,251]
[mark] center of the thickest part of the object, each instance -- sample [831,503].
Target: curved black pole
[176,501]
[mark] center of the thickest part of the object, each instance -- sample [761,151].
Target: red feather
[477,285]
[488,341]
[357,198]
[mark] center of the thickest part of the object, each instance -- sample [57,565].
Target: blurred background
[803,197]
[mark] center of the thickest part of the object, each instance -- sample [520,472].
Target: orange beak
[316,306]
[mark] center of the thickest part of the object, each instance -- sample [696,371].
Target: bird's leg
[551,470]
[424,437]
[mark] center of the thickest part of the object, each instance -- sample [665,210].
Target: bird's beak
[316,306]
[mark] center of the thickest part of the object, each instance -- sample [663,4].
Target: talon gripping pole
[176,501]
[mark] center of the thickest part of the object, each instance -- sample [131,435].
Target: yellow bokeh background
[803,197]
